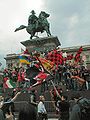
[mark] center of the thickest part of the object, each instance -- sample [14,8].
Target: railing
[49,105]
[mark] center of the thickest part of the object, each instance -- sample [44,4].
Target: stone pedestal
[41,44]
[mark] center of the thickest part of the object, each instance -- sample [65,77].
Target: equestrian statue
[36,24]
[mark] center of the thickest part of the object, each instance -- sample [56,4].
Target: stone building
[85,53]
[14,59]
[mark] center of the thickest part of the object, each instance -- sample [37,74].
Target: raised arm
[14,98]
[80,80]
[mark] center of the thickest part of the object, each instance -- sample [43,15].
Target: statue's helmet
[33,12]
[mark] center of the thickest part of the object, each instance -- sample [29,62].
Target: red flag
[77,56]
[26,51]
[55,56]
[36,76]
[47,64]
[41,76]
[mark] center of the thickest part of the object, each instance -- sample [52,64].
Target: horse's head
[44,14]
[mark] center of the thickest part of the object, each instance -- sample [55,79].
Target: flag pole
[50,80]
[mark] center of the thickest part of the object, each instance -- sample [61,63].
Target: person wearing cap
[32,20]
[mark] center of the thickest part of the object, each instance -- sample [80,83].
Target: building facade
[13,59]
[85,55]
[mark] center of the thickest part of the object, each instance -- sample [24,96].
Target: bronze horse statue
[41,25]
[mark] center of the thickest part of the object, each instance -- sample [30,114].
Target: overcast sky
[69,21]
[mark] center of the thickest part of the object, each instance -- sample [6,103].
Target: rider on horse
[32,20]
[36,24]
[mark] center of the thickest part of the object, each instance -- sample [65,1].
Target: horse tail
[20,28]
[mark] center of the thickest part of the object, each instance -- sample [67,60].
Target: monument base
[41,44]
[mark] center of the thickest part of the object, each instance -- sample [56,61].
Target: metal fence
[49,105]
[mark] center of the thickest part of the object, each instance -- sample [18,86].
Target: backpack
[84,105]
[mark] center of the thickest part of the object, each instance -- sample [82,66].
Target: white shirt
[41,107]
[1,104]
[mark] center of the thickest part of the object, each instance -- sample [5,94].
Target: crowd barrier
[49,105]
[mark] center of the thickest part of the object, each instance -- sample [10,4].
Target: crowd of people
[77,107]
[73,77]
[29,111]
